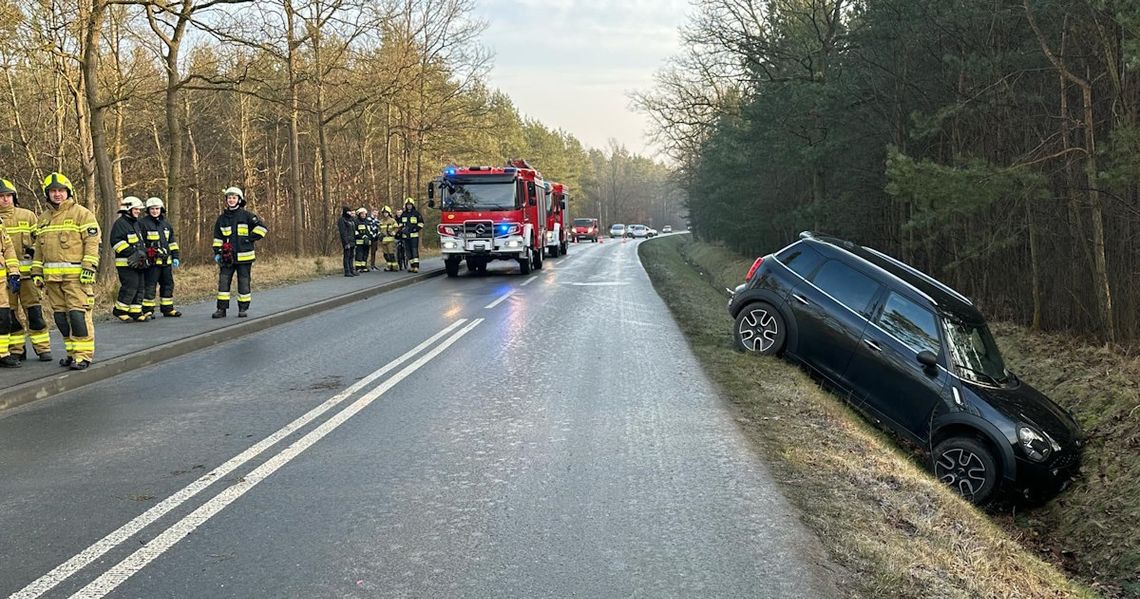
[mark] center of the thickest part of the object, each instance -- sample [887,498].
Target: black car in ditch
[912,354]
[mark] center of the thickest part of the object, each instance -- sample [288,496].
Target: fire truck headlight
[449,245]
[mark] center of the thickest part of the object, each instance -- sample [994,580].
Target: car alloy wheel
[760,329]
[966,466]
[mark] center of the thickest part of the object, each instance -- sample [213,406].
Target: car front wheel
[759,328]
[967,466]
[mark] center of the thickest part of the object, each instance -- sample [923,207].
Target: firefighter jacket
[388,229]
[11,258]
[21,226]
[160,243]
[240,228]
[411,223]
[67,242]
[346,226]
[362,236]
[127,241]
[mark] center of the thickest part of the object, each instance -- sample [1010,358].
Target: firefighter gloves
[38,281]
[14,283]
[87,276]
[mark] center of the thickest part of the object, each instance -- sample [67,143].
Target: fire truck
[557,235]
[491,213]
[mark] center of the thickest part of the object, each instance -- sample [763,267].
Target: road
[494,436]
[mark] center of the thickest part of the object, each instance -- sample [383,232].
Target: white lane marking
[156,547]
[500,300]
[528,282]
[601,284]
[82,559]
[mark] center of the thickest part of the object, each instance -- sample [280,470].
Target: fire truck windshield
[473,195]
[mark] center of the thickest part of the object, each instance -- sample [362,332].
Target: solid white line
[528,282]
[139,559]
[500,300]
[81,560]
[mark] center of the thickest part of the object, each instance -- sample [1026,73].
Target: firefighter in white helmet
[161,245]
[27,322]
[235,232]
[65,261]
[131,261]
[411,222]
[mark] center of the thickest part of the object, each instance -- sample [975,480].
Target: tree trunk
[97,111]
[294,133]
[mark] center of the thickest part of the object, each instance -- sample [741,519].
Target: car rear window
[851,287]
[583,222]
[912,324]
[800,258]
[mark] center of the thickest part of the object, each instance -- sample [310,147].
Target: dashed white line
[500,300]
[84,558]
[528,282]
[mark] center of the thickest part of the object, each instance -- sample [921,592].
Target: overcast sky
[572,63]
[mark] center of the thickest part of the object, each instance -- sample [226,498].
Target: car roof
[944,297]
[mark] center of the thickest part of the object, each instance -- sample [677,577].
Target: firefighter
[13,284]
[363,240]
[64,263]
[160,244]
[388,229]
[374,233]
[235,232]
[27,301]
[131,261]
[346,226]
[411,222]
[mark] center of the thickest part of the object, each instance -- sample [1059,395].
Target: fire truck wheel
[524,264]
[536,262]
[562,248]
[452,267]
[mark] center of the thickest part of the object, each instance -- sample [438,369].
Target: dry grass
[881,516]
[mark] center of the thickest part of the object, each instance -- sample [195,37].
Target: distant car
[913,354]
[637,231]
[667,229]
[617,231]
[585,228]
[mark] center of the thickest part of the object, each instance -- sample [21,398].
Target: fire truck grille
[479,229]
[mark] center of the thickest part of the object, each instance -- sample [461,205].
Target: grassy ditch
[880,515]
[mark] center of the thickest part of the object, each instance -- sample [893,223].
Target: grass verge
[879,514]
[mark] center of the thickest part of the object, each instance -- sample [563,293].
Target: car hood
[1026,404]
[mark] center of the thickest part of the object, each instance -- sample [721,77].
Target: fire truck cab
[491,213]
[557,235]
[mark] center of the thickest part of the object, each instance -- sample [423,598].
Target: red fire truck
[557,235]
[490,213]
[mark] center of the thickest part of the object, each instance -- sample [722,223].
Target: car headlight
[1037,446]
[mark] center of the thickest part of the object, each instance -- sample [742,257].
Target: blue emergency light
[449,171]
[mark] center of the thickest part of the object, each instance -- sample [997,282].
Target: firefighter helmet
[58,181]
[235,191]
[7,187]
[154,202]
[411,201]
[386,210]
[130,203]
[362,210]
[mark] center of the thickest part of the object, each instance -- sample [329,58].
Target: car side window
[851,287]
[801,259]
[911,323]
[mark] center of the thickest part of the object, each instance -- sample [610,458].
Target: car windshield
[582,222]
[974,353]
[468,196]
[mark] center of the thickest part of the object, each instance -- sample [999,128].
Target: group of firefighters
[397,234]
[56,254]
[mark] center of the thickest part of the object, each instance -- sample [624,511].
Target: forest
[992,143]
[305,104]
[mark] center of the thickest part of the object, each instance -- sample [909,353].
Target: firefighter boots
[221,313]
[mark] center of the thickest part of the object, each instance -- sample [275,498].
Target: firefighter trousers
[132,282]
[160,278]
[413,253]
[71,304]
[244,271]
[389,246]
[349,257]
[26,308]
[361,262]
[372,253]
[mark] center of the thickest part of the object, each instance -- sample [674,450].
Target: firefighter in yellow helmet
[26,303]
[388,229]
[411,222]
[235,232]
[131,262]
[65,260]
[12,281]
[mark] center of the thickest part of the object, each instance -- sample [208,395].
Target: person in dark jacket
[127,241]
[374,232]
[411,222]
[235,232]
[346,226]
[162,249]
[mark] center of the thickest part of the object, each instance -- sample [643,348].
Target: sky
[571,64]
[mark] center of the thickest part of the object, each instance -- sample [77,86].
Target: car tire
[760,329]
[536,259]
[524,264]
[967,465]
[452,267]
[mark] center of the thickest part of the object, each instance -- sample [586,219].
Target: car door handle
[799,298]
[871,344]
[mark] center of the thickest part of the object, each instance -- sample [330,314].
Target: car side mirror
[927,359]
[563,204]
[431,192]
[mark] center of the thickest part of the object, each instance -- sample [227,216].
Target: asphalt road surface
[503,435]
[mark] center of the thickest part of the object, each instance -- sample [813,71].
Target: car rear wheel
[967,466]
[760,329]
